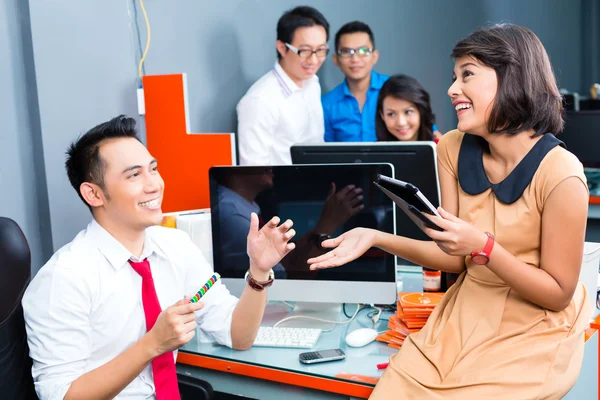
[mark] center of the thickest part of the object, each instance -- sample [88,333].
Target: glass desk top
[359,361]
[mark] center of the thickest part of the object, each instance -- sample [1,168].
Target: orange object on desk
[417,300]
[594,200]
[413,311]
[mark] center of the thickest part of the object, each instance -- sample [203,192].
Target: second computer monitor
[414,162]
[581,135]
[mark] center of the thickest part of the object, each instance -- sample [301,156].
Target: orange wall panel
[184,158]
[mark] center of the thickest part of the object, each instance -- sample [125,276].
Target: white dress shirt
[84,307]
[275,114]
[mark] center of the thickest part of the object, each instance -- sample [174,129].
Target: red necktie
[163,366]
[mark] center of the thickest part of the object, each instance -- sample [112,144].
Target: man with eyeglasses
[349,109]
[283,107]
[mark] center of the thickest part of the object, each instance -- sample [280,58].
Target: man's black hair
[84,163]
[299,17]
[353,27]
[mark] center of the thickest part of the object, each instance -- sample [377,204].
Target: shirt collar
[377,80]
[116,254]
[376,83]
[473,179]
[286,83]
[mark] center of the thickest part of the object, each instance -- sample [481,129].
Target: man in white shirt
[90,310]
[283,107]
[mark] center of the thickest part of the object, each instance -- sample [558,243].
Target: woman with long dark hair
[404,112]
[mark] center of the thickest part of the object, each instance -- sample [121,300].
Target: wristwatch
[483,257]
[318,239]
[257,285]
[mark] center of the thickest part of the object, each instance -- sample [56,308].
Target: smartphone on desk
[313,357]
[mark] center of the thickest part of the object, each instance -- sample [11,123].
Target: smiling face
[402,118]
[473,92]
[133,188]
[356,67]
[304,38]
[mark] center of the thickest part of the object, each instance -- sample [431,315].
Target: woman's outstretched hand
[346,248]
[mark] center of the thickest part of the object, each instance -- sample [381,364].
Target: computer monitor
[414,162]
[582,136]
[299,193]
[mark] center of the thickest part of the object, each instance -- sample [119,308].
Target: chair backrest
[15,271]
[191,388]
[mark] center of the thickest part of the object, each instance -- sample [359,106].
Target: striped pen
[209,283]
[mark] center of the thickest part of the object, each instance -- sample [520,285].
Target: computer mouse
[361,337]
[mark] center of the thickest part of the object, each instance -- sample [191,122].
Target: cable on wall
[147,38]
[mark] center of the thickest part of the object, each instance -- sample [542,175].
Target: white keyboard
[302,338]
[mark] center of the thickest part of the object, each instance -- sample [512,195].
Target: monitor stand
[326,311]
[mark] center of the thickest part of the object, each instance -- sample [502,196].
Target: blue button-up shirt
[343,120]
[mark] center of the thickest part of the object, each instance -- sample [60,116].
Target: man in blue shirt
[349,109]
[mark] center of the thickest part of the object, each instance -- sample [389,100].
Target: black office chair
[15,271]
[191,388]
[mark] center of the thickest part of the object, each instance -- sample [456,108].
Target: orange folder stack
[411,316]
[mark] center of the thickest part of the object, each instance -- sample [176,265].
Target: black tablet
[410,199]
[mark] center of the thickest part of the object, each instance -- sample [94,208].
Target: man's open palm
[266,247]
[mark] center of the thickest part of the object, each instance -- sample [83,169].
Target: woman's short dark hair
[404,87]
[528,97]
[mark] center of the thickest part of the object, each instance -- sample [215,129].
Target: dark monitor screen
[319,200]
[582,136]
[414,162]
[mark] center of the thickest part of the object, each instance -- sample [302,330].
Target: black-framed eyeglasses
[345,52]
[305,54]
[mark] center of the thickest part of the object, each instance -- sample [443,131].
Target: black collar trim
[473,179]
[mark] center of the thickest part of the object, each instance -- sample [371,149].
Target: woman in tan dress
[512,327]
